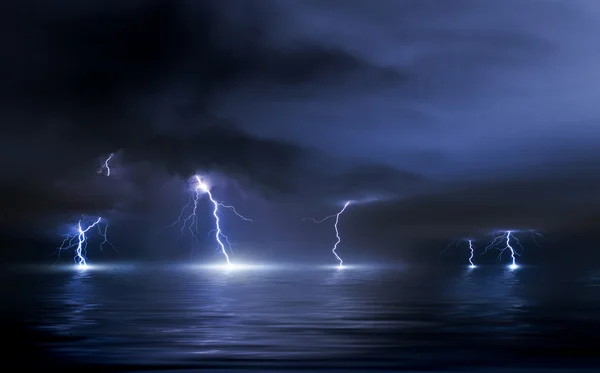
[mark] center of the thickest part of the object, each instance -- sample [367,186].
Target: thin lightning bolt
[455,243]
[512,251]
[534,233]
[446,249]
[471,265]
[105,165]
[79,240]
[190,221]
[234,211]
[337,232]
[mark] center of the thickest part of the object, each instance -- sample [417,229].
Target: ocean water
[137,317]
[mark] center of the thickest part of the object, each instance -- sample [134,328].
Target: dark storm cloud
[36,200]
[262,163]
[303,100]
[78,64]
[560,199]
[17,208]
[334,182]
[484,77]
[140,76]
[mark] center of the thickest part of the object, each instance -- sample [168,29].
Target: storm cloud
[438,118]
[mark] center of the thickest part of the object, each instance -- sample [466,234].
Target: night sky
[445,119]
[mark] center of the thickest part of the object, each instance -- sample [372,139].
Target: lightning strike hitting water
[455,243]
[190,220]
[506,237]
[79,240]
[471,265]
[337,232]
[106,166]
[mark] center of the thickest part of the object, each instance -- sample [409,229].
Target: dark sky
[447,119]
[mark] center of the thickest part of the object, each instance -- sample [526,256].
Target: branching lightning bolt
[506,238]
[337,232]
[79,240]
[190,221]
[201,187]
[105,165]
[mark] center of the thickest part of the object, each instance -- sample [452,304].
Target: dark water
[281,317]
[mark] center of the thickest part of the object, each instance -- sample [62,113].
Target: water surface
[293,317]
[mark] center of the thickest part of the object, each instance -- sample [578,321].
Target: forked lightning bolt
[79,239]
[190,220]
[337,232]
[506,238]
[106,166]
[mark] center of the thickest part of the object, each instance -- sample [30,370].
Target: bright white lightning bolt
[105,165]
[506,237]
[455,243]
[337,232]
[79,240]
[190,221]
[471,265]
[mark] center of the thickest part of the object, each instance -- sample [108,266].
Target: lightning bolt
[535,234]
[337,232]
[79,240]
[105,165]
[506,238]
[455,243]
[471,265]
[190,221]
[446,249]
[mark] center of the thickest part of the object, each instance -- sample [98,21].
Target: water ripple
[170,314]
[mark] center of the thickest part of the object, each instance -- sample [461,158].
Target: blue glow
[337,232]
[79,240]
[106,166]
[285,267]
[237,267]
